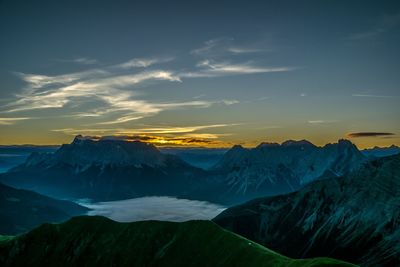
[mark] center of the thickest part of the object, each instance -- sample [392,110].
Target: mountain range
[354,218]
[377,152]
[97,241]
[105,170]
[114,169]
[272,168]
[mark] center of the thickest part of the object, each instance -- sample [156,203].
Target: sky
[200,73]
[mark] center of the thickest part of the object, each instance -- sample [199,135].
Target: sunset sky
[200,74]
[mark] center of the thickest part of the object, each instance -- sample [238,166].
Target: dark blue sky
[222,73]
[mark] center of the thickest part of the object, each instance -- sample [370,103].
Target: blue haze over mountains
[332,200]
[113,169]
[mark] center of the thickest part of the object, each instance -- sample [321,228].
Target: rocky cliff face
[286,166]
[354,218]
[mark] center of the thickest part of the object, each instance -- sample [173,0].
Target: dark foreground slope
[355,218]
[97,241]
[22,210]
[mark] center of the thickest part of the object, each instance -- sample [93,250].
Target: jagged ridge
[355,218]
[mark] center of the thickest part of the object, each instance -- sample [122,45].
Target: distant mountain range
[97,241]
[377,152]
[114,169]
[105,170]
[355,218]
[11,156]
[272,167]
[22,210]
[201,157]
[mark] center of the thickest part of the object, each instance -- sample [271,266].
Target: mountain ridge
[108,169]
[97,241]
[22,210]
[354,218]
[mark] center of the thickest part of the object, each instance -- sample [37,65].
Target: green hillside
[97,241]
[23,210]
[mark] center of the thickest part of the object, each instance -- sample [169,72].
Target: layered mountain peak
[85,151]
[293,162]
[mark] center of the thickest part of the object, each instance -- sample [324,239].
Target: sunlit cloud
[172,129]
[321,121]
[56,92]
[166,135]
[80,60]
[206,135]
[85,61]
[108,94]
[142,130]
[142,62]
[224,46]
[11,121]
[229,102]
[122,120]
[211,68]
[210,45]
[243,50]
[370,95]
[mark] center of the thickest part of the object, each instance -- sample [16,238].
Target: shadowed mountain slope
[97,241]
[355,218]
[22,210]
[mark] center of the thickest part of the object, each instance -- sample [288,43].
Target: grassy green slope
[23,210]
[97,241]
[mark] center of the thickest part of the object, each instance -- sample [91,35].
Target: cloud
[142,130]
[123,119]
[210,45]
[210,68]
[374,96]
[56,92]
[199,96]
[229,102]
[11,121]
[80,60]
[108,94]
[243,50]
[170,141]
[369,134]
[223,46]
[85,61]
[160,136]
[321,121]
[155,208]
[142,62]
[172,129]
